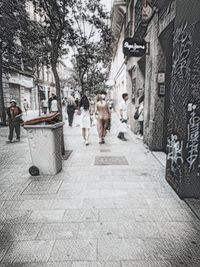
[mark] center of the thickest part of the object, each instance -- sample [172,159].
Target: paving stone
[95,264]
[181,215]
[81,215]
[42,216]
[120,249]
[116,215]
[98,230]
[138,230]
[98,203]
[74,250]
[14,216]
[15,232]
[60,204]
[111,161]
[58,231]
[48,264]
[36,204]
[42,187]
[4,246]
[147,264]
[151,215]
[29,251]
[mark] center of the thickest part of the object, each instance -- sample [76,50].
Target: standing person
[54,104]
[50,100]
[141,115]
[14,119]
[84,111]
[102,113]
[25,105]
[71,106]
[92,111]
[77,103]
[44,105]
[123,117]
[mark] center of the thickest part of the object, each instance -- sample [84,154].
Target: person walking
[14,119]
[71,106]
[102,113]
[54,104]
[84,112]
[123,117]
[141,115]
[25,105]
[44,105]
[50,100]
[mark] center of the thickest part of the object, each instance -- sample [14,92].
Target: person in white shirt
[141,115]
[54,104]
[123,117]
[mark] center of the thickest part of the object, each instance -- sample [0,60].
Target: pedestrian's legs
[70,118]
[17,129]
[100,129]
[141,128]
[83,133]
[87,132]
[105,124]
[11,129]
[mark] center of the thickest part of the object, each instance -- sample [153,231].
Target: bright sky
[107,3]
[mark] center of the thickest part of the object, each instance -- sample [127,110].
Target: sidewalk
[109,207]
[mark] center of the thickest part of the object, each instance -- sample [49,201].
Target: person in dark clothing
[77,103]
[71,106]
[50,100]
[14,119]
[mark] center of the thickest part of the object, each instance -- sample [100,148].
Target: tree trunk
[2,104]
[58,94]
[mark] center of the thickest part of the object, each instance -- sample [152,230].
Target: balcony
[143,13]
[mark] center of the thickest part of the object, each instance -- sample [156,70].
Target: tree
[13,22]
[57,26]
[91,42]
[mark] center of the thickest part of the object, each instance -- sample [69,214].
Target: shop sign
[134,48]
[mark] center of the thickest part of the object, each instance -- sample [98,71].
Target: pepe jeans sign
[134,48]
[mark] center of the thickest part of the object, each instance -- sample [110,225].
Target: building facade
[168,76]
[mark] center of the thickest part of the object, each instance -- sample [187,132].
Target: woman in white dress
[84,110]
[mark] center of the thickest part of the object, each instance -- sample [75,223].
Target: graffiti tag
[175,148]
[193,132]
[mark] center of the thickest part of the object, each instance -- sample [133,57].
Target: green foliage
[91,41]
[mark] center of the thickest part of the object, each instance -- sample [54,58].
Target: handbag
[137,114]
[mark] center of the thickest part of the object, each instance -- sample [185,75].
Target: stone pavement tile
[95,264]
[142,193]
[113,193]
[29,251]
[141,230]
[176,230]
[4,246]
[12,205]
[151,215]
[42,187]
[100,185]
[166,249]
[127,185]
[7,195]
[81,215]
[116,215]
[148,263]
[14,216]
[48,264]
[46,216]
[167,203]
[181,215]
[17,232]
[131,203]
[74,250]
[98,230]
[120,249]
[182,262]
[98,203]
[36,204]
[73,186]
[59,204]
[58,231]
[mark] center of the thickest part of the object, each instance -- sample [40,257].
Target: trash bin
[45,147]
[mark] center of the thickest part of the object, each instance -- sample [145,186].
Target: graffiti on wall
[181,70]
[175,153]
[193,134]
